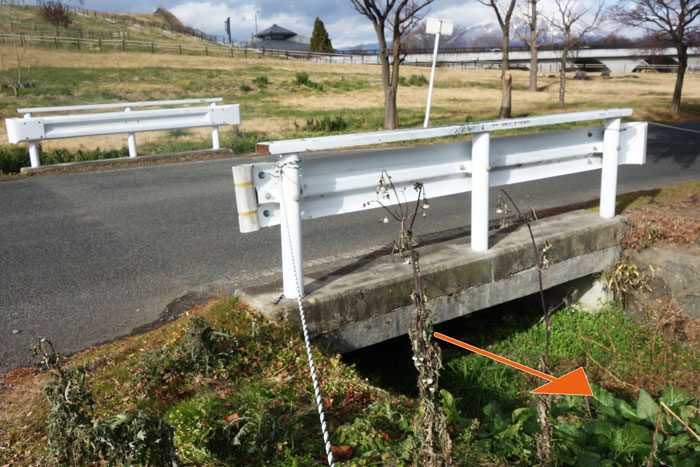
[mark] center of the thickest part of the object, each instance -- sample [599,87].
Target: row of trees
[398,22]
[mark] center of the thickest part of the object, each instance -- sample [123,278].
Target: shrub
[261,81]
[245,88]
[244,143]
[302,78]
[413,80]
[327,124]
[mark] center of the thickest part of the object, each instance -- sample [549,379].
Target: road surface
[92,256]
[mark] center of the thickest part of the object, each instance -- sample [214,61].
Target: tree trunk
[506,79]
[533,46]
[390,79]
[680,76]
[562,79]
[562,66]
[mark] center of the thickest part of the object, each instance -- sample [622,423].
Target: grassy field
[276,105]
[277,102]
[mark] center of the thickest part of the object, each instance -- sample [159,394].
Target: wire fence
[118,41]
[125,45]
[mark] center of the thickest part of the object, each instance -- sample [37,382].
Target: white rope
[675,127]
[312,368]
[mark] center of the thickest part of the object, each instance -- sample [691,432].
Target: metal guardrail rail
[32,129]
[306,186]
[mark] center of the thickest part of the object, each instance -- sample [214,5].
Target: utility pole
[227,24]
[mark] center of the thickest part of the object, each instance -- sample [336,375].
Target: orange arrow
[574,383]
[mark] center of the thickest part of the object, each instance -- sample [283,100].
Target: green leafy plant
[245,88]
[75,437]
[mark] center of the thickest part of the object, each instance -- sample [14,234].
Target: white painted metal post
[481,143]
[290,227]
[215,143]
[432,78]
[131,140]
[33,149]
[608,180]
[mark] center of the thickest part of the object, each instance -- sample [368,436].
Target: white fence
[33,129]
[297,188]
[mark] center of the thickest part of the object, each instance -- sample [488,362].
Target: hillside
[161,26]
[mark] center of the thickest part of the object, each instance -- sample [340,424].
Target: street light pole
[256,21]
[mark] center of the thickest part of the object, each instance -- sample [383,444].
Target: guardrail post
[33,148]
[290,226]
[131,140]
[215,143]
[608,180]
[481,144]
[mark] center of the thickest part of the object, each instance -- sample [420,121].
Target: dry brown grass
[459,94]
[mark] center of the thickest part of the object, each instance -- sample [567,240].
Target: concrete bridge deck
[368,301]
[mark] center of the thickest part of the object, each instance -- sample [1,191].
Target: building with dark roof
[278,38]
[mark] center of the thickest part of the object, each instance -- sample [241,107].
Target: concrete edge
[128,161]
[396,322]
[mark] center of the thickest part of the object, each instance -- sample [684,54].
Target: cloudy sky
[345,26]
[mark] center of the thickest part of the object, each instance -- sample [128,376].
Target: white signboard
[443,27]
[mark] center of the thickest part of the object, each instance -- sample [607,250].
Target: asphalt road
[92,256]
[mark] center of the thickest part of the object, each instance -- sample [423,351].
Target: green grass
[245,398]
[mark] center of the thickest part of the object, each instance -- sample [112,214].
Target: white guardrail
[33,129]
[297,188]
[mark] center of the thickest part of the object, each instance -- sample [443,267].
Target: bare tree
[534,40]
[504,14]
[13,73]
[396,17]
[677,18]
[418,38]
[570,13]
[55,14]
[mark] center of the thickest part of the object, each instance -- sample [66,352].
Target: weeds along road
[88,257]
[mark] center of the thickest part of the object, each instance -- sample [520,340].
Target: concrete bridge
[366,301]
[616,60]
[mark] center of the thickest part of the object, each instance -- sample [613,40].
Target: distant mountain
[488,34]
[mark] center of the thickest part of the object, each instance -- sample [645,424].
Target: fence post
[153,48]
[608,179]
[215,132]
[179,48]
[481,143]
[123,45]
[290,227]
[206,50]
[55,41]
[131,140]
[33,149]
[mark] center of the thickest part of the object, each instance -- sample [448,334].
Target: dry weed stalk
[433,444]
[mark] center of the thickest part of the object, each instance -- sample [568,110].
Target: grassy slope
[28,21]
[264,381]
